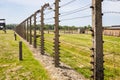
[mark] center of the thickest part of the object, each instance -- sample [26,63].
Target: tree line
[50,27]
[11,26]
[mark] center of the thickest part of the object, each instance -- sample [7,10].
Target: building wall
[112,32]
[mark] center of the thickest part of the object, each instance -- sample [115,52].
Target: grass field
[13,69]
[75,51]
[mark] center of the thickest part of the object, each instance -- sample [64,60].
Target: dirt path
[64,72]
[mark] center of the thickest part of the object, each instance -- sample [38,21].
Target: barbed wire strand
[49,21]
[67,3]
[112,0]
[77,9]
[73,12]
[75,18]
[51,10]
[48,12]
[49,18]
[111,12]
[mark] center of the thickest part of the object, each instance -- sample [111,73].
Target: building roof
[118,26]
[114,27]
[2,19]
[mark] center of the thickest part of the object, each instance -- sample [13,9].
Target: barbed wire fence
[49,30]
[74,49]
[111,55]
[46,29]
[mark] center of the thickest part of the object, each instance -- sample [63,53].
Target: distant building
[81,30]
[116,26]
[112,30]
[2,25]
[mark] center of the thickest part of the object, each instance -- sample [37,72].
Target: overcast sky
[15,11]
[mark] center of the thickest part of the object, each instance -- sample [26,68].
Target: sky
[15,11]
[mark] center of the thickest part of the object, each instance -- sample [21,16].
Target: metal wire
[111,12]
[51,10]
[51,5]
[52,22]
[38,17]
[112,0]
[68,3]
[38,21]
[76,18]
[77,9]
[48,12]
[49,18]
[69,13]
[115,43]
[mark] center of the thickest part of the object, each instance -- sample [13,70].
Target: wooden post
[97,57]
[20,51]
[15,36]
[56,30]
[35,39]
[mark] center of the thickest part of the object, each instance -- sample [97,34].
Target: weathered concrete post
[42,28]
[27,25]
[24,24]
[30,30]
[56,30]
[97,56]
[35,38]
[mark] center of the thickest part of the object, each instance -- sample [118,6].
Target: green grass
[76,53]
[13,69]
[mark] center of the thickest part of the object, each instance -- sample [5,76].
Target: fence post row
[56,31]
[97,56]
[97,50]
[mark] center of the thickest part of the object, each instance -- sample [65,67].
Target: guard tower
[2,25]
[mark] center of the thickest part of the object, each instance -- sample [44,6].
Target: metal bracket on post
[97,56]
[56,39]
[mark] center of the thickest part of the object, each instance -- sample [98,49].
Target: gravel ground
[64,72]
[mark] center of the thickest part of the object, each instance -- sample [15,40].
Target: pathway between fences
[64,72]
